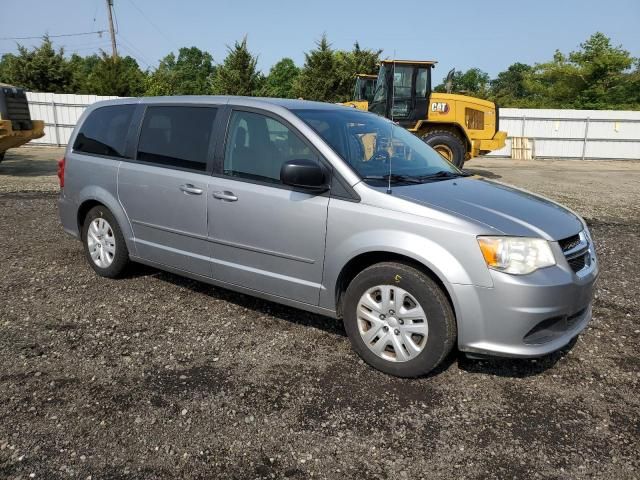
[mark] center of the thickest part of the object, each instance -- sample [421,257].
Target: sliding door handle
[190,189]
[226,196]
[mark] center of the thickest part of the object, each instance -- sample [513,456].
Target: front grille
[576,251]
[18,109]
[569,243]
[578,263]
[14,107]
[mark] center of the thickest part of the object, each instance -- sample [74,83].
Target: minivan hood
[507,209]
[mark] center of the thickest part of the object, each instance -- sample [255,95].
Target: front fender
[422,250]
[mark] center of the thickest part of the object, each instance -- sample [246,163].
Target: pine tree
[41,69]
[349,64]
[238,74]
[118,76]
[318,78]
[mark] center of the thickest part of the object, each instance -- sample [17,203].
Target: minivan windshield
[377,149]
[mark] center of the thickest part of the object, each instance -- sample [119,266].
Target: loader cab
[402,91]
[365,87]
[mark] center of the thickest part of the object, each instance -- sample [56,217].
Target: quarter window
[176,136]
[258,145]
[105,131]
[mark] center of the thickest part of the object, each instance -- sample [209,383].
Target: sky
[488,34]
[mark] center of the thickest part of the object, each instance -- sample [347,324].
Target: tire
[438,317]
[109,265]
[447,144]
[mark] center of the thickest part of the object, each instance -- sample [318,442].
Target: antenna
[393,87]
[393,103]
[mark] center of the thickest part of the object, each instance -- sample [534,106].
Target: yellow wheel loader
[16,126]
[457,126]
[363,91]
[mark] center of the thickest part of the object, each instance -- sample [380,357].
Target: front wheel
[450,146]
[398,319]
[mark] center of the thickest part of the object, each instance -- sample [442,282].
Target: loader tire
[449,145]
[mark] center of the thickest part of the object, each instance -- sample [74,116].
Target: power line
[135,52]
[156,27]
[99,32]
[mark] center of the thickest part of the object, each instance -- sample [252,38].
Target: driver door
[266,236]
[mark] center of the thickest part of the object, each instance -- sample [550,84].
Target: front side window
[105,131]
[402,77]
[258,145]
[375,147]
[176,136]
[381,85]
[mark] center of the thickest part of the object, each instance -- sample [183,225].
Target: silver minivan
[332,210]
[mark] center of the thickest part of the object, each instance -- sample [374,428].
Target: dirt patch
[157,376]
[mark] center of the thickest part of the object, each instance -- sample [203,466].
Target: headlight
[516,255]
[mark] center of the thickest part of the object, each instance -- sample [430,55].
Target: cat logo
[440,107]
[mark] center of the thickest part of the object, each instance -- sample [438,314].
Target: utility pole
[114,48]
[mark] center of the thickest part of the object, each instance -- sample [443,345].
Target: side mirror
[304,174]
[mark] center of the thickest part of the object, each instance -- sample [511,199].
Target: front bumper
[525,316]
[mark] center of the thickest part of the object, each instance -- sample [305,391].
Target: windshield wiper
[443,175]
[395,178]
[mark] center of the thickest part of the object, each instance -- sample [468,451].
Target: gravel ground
[157,376]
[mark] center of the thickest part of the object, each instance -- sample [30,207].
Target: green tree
[41,69]
[238,74]
[318,78]
[596,76]
[280,81]
[509,89]
[474,82]
[190,74]
[603,67]
[350,63]
[118,76]
[81,68]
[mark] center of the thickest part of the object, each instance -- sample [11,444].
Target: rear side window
[177,136]
[105,130]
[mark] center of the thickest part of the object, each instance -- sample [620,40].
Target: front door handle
[190,189]
[226,196]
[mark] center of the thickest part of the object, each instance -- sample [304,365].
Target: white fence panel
[597,134]
[589,134]
[60,113]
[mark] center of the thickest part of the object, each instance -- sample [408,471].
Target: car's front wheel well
[364,260]
[84,209]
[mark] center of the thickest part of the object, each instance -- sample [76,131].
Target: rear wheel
[449,145]
[104,245]
[398,320]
